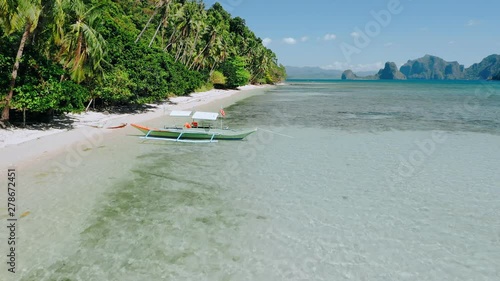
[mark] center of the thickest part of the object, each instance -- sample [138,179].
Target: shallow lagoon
[343,181]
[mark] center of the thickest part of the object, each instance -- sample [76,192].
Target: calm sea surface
[344,180]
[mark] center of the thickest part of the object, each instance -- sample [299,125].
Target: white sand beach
[20,145]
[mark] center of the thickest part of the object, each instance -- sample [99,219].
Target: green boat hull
[194,133]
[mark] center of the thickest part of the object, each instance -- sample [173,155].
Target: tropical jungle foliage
[60,55]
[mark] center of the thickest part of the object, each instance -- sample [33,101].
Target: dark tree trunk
[8,98]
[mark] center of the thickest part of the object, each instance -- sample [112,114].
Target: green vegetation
[234,70]
[62,55]
[217,78]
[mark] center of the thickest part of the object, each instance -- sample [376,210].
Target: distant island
[434,68]
[307,72]
[389,72]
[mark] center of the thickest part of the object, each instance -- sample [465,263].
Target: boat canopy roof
[199,115]
[180,113]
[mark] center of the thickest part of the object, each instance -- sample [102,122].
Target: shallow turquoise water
[343,181]
[380,105]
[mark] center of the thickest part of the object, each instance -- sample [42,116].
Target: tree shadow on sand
[47,121]
[128,109]
[62,122]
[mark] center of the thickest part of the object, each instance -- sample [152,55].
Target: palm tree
[190,26]
[221,50]
[199,27]
[160,5]
[261,66]
[214,32]
[176,20]
[164,21]
[196,27]
[58,17]
[7,14]
[27,15]
[82,47]
[184,28]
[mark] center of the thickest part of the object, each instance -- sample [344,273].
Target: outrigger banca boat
[197,131]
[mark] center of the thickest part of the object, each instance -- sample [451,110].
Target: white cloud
[355,67]
[355,34]
[473,23]
[304,39]
[388,44]
[266,41]
[451,42]
[290,40]
[329,37]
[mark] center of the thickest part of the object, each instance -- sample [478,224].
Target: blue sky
[364,34]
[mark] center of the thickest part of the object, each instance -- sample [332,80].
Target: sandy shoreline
[18,146]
